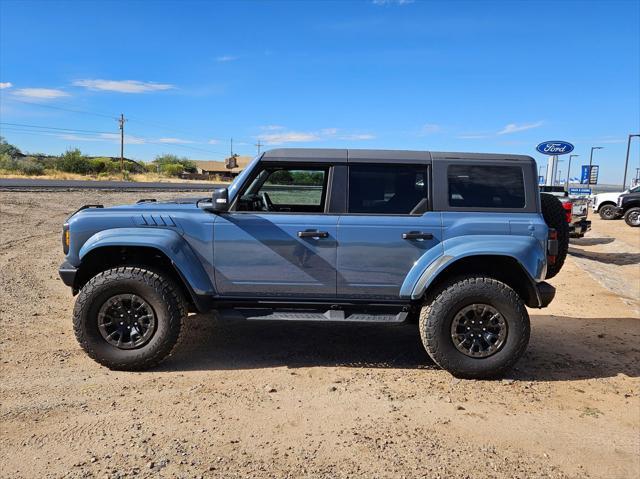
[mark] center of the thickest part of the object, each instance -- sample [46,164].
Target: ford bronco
[457,243]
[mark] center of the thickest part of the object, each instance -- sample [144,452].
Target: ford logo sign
[554,148]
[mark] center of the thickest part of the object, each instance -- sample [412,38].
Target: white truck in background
[606,204]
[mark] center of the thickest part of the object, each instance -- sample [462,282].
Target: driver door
[277,239]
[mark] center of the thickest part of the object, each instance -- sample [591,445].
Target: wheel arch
[159,250]
[501,267]
[605,203]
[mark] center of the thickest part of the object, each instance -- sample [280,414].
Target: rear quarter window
[485,186]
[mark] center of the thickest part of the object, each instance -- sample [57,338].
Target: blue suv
[458,243]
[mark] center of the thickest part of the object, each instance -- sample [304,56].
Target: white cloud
[358,137]
[429,128]
[5,84]
[123,86]
[176,141]
[514,128]
[277,135]
[288,137]
[213,141]
[112,137]
[472,136]
[226,58]
[40,93]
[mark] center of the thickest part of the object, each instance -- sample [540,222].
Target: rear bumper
[579,228]
[68,273]
[545,294]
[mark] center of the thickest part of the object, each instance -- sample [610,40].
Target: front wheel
[632,216]
[608,212]
[128,318]
[475,328]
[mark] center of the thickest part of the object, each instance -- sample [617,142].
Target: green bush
[97,165]
[30,166]
[7,162]
[73,161]
[172,169]
[164,160]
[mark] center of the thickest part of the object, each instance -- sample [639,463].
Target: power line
[42,127]
[42,105]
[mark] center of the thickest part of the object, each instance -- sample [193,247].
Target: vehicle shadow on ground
[591,241]
[620,259]
[561,348]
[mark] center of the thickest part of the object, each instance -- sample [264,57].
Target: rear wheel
[632,216]
[608,212]
[475,328]
[556,218]
[128,318]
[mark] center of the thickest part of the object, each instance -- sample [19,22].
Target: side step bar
[338,315]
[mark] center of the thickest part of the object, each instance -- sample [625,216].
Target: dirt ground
[259,399]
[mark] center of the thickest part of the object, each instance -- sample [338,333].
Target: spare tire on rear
[556,218]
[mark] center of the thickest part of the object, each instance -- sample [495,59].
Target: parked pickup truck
[576,210]
[629,207]
[457,243]
[606,204]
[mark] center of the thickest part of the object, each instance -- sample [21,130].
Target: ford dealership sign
[554,148]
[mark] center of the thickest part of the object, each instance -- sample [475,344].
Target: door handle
[416,235]
[313,234]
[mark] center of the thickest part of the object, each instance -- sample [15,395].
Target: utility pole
[626,163]
[569,169]
[258,145]
[121,123]
[231,147]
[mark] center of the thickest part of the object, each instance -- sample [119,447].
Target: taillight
[568,207]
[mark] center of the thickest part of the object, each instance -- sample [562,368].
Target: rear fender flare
[526,250]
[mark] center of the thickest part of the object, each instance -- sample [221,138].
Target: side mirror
[219,201]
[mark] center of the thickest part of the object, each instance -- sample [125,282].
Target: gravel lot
[311,400]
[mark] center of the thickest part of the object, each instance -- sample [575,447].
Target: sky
[473,76]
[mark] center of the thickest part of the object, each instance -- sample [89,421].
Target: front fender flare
[167,241]
[526,250]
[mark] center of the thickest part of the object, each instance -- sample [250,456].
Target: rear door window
[386,189]
[486,186]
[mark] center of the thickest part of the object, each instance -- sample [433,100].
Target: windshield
[635,189]
[235,184]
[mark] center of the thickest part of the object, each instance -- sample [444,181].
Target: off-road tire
[161,293]
[631,216]
[555,217]
[437,316]
[608,212]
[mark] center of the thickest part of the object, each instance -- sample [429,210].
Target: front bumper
[579,228]
[68,274]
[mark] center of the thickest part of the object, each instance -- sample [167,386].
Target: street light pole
[591,156]
[569,169]
[591,161]
[626,163]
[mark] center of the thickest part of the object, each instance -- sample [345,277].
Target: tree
[9,149]
[167,159]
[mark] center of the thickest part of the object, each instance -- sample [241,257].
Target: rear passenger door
[387,227]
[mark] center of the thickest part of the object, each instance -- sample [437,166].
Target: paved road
[25,184]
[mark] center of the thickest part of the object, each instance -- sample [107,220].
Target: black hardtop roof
[336,155]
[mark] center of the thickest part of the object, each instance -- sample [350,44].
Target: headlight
[65,238]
